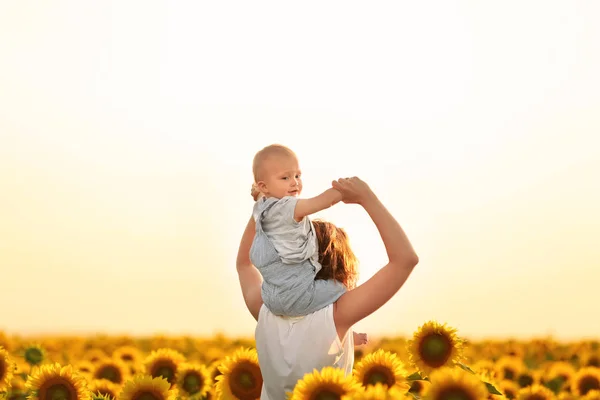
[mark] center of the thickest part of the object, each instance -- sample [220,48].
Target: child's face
[282,177]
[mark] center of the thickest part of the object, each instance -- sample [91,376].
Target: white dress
[290,347]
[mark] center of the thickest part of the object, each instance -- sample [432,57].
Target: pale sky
[127,131]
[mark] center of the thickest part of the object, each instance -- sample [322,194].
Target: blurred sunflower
[34,354]
[509,367]
[53,382]
[535,392]
[84,367]
[240,376]
[104,387]
[527,378]
[592,395]
[95,355]
[567,396]
[509,388]
[381,367]
[145,387]
[193,379]
[584,380]
[128,354]
[419,387]
[7,368]
[5,341]
[111,369]
[99,396]
[434,346]
[563,370]
[489,376]
[163,362]
[591,359]
[455,383]
[377,391]
[329,383]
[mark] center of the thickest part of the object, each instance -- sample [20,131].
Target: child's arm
[360,339]
[310,206]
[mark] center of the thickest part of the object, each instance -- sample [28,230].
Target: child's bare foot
[360,338]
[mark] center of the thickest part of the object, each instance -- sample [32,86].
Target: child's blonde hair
[260,157]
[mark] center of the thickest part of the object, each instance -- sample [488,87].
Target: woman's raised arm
[249,276]
[357,304]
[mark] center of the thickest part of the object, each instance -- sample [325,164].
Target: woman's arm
[250,278]
[357,304]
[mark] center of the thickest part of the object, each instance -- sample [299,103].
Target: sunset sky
[128,128]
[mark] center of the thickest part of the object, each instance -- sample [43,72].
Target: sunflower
[240,376]
[419,387]
[381,367]
[592,395]
[128,354]
[53,382]
[509,367]
[434,346]
[163,362]
[329,383]
[145,387]
[586,379]
[34,354]
[509,388]
[455,383]
[193,379]
[6,370]
[84,367]
[527,378]
[563,370]
[535,392]
[104,387]
[111,369]
[591,359]
[95,355]
[377,391]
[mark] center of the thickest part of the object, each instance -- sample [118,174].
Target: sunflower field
[435,363]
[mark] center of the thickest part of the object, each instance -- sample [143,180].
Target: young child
[285,248]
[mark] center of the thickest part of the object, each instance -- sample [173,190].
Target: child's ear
[262,186]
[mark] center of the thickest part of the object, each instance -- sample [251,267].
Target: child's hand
[360,339]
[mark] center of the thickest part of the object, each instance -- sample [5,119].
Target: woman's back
[288,348]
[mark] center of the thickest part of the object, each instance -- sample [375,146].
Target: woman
[288,348]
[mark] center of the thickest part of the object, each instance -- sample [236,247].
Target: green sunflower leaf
[416,376]
[555,384]
[465,367]
[492,389]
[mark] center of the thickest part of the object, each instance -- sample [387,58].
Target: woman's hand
[354,190]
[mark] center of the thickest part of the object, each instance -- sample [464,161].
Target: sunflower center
[326,395]
[509,374]
[435,349]
[246,381]
[192,383]
[147,395]
[110,373]
[536,396]
[127,357]
[2,369]
[379,374]
[509,393]
[525,380]
[164,368]
[34,356]
[416,387]
[588,383]
[593,362]
[455,393]
[57,389]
